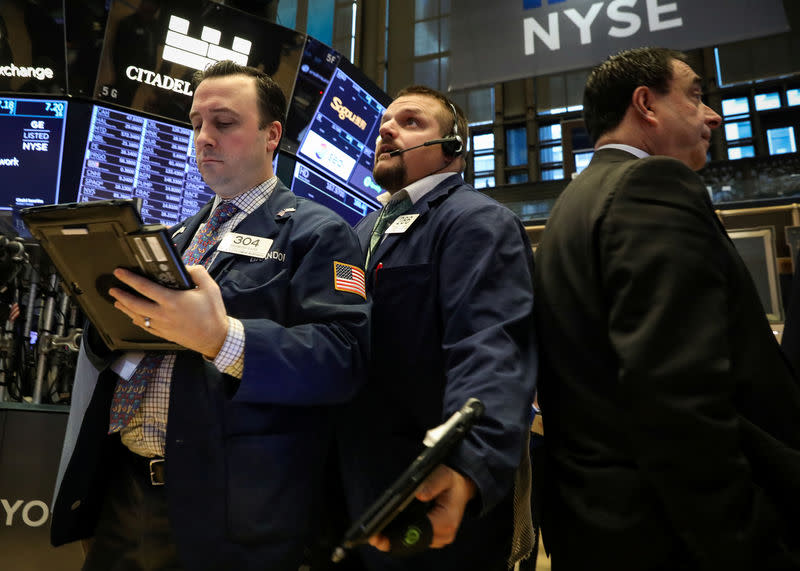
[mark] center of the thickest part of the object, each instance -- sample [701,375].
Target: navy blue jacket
[452,319]
[244,460]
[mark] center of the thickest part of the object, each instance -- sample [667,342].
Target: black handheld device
[86,241]
[157,257]
[439,442]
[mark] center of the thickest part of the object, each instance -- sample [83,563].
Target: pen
[378,267]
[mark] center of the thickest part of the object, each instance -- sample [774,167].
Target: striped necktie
[389,214]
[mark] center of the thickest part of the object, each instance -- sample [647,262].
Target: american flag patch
[349,278]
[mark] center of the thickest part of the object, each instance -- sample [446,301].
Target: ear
[642,103]
[274,132]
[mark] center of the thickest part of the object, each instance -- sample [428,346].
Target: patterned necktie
[389,214]
[208,235]
[128,394]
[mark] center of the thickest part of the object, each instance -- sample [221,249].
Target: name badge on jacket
[245,245]
[401,224]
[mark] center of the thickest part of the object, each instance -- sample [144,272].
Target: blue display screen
[310,184]
[128,156]
[341,138]
[31,140]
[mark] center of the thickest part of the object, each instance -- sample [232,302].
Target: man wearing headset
[450,274]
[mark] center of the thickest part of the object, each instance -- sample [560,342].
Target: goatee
[390,178]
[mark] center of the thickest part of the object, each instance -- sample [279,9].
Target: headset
[453,145]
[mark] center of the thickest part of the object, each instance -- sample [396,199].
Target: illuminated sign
[199,53]
[38,73]
[191,52]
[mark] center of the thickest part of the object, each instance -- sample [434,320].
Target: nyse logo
[624,19]
[199,53]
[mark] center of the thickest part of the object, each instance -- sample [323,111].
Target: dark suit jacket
[670,415]
[244,460]
[452,319]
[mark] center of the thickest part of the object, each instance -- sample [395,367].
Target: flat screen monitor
[341,138]
[152,49]
[756,246]
[781,140]
[31,142]
[32,49]
[308,181]
[318,65]
[334,120]
[582,160]
[130,155]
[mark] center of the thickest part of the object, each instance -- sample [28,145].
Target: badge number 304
[246,245]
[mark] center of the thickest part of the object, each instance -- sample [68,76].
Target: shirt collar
[249,201]
[417,189]
[638,153]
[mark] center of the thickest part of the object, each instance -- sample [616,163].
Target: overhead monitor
[756,246]
[341,138]
[334,119]
[32,48]
[152,49]
[31,141]
[130,155]
[318,65]
[309,182]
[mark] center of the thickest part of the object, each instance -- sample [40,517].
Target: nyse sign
[623,20]
[524,38]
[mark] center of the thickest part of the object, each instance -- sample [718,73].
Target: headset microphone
[425,144]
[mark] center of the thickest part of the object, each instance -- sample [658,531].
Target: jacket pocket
[274,485]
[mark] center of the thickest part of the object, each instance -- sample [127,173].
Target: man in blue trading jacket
[221,464]
[451,281]
[671,416]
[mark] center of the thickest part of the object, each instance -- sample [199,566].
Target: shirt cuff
[230,359]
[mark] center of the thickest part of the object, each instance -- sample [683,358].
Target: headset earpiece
[456,146]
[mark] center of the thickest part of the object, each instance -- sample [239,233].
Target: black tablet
[408,536]
[86,241]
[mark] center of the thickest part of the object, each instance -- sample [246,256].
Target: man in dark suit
[220,463]
[451,281]
[670,415]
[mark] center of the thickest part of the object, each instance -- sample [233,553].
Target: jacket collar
[427,202]
[263,222]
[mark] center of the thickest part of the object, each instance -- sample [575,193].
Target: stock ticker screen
[31,141]
[340,139]
[311,184]
[128,156]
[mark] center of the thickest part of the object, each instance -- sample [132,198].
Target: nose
[202,137]
[713,120]
[386,131]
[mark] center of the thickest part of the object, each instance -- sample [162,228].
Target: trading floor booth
[30,446]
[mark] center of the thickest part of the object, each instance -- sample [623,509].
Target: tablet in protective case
[86,241]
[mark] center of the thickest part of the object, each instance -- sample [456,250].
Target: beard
[391,178]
